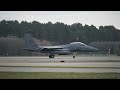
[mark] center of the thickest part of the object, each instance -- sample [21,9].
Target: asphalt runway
[60,58]
[68,64]
[32,69]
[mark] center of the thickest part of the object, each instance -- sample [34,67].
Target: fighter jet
[31,45]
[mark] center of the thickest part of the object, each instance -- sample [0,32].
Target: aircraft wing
[50,48]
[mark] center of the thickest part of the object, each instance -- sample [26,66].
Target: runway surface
[60,58]
[36,69]
[68,64]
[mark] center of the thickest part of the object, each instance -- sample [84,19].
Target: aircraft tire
[51,56]
[73,56]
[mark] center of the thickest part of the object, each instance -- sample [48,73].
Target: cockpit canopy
[78,43]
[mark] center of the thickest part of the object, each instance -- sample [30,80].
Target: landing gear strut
[51,56]
[74,55]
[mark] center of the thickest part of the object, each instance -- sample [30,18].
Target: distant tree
[59,32]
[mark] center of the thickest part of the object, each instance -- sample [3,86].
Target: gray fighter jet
[31,45]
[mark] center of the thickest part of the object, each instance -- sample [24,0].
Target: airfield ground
[57,75]
[62,66]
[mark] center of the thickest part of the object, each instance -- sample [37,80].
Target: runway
[37,69]
[60,58]
[61,64]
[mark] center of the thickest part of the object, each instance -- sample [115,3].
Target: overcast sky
[96,18]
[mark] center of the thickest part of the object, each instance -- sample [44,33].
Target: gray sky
[97,18]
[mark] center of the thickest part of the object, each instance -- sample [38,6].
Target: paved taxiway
[83,64]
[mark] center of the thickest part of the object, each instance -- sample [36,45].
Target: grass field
[57,75]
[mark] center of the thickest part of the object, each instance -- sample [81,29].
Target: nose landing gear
[74,54]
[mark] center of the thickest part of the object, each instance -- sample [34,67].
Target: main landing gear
[51,56]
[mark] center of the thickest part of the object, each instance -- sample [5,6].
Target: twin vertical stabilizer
[29,42]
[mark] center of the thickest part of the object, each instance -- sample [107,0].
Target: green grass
[57,75]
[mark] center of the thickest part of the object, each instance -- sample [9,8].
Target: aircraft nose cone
[94,49]
[97,49]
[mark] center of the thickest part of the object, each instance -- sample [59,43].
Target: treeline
[59,32]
